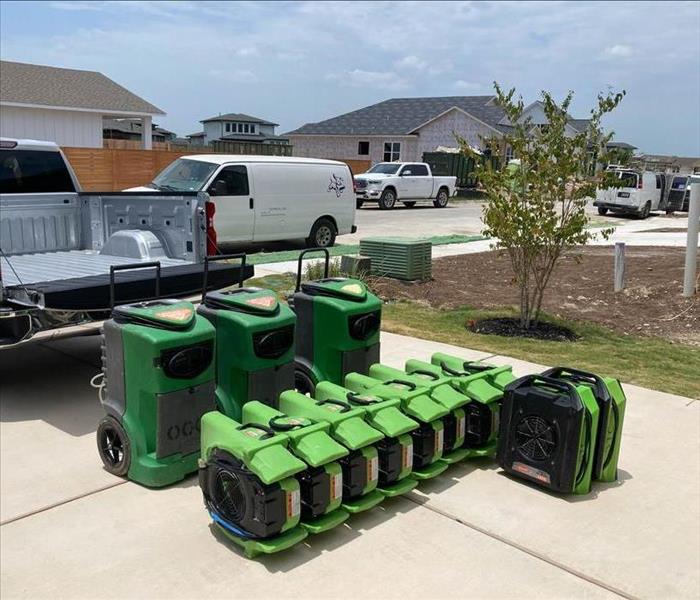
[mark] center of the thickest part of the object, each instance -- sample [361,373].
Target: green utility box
[254,344]
[347,426]
[409,259]
[248,480]
[437,388]
[548,433]
[157,360]
[395,451]
[338,322]
[321,483]
[611,402]
[428,438]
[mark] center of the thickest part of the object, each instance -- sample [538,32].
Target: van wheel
[645,211]
[409,204]
[322,234]
[113,446]
[359,203]
[388,199]
[441,199]
[602,210]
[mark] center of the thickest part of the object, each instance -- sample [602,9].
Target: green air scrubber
[395,451]
[338,328]
[347,426]
[438,388]
[611,402]
[321,483]
[428,441]
[254,344]
[157,360]
[247,477]
[548,433]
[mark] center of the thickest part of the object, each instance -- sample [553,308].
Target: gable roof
[239,117]
[22,83]
[402,116]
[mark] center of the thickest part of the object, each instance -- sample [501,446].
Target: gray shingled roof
[400,116]
[23,83]
[239,117]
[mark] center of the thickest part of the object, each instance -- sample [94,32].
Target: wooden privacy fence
[107,169]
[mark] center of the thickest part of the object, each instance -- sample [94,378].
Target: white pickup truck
[387,183]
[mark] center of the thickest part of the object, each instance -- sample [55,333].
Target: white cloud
[247,51]
[619,51]
[411,62]
[385,80]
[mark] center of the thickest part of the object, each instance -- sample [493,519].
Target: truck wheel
[410,204]
[645,211]
[602,210]
[113,446]
[388,199]
[359,203]
[441,199]
[322,234]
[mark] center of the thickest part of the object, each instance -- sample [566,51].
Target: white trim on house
[102,111]
[353,135]
[471,116]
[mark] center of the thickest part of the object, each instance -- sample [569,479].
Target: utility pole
[691,249]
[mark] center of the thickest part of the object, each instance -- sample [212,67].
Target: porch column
[146,133]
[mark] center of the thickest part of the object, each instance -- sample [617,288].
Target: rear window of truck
[33,172]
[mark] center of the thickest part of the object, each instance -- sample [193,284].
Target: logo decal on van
[337,185]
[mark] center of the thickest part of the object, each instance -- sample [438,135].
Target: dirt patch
[512,328]
[651,304]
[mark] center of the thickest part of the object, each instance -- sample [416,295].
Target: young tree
[536,209]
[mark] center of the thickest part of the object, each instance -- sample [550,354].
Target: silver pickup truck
[67,256]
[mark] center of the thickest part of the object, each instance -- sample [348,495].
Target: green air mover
[338,328]
[157,361]
[498,377]
[254,344]
[321,483]
[361,466]
[247,478]
[395,451]
[438,388]
[428,438]
[548,433]
[611,402]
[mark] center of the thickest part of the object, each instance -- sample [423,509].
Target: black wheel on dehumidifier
[388,199]
[322,234]
[441,199]
[602,211]
[113,446]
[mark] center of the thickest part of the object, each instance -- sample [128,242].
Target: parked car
[267,198]
[387,183]
[638,193]
[59,247]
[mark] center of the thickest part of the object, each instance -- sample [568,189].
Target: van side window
[33,172]
[236,179]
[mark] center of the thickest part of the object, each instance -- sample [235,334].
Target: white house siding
[345,148]
[440,132]
[65,127]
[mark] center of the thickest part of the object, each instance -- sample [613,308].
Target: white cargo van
[267,198]
[639,193]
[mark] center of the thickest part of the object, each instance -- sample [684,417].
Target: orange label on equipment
[178,315]
[531,472]
[264,301]
[293,503]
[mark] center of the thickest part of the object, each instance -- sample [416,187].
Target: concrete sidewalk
[71,530]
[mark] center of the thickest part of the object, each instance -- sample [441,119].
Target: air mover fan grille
[228,495]
[535,438]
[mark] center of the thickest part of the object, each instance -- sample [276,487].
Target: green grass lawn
[650,362]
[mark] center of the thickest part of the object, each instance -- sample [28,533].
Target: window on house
[509,153]
[392,151]
[228,127]
[245,128]
[363,148]
[240,128]
[252,129]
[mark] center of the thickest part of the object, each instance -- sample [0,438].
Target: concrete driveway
[71,530]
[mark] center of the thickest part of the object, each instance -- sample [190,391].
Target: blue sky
[295,62]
